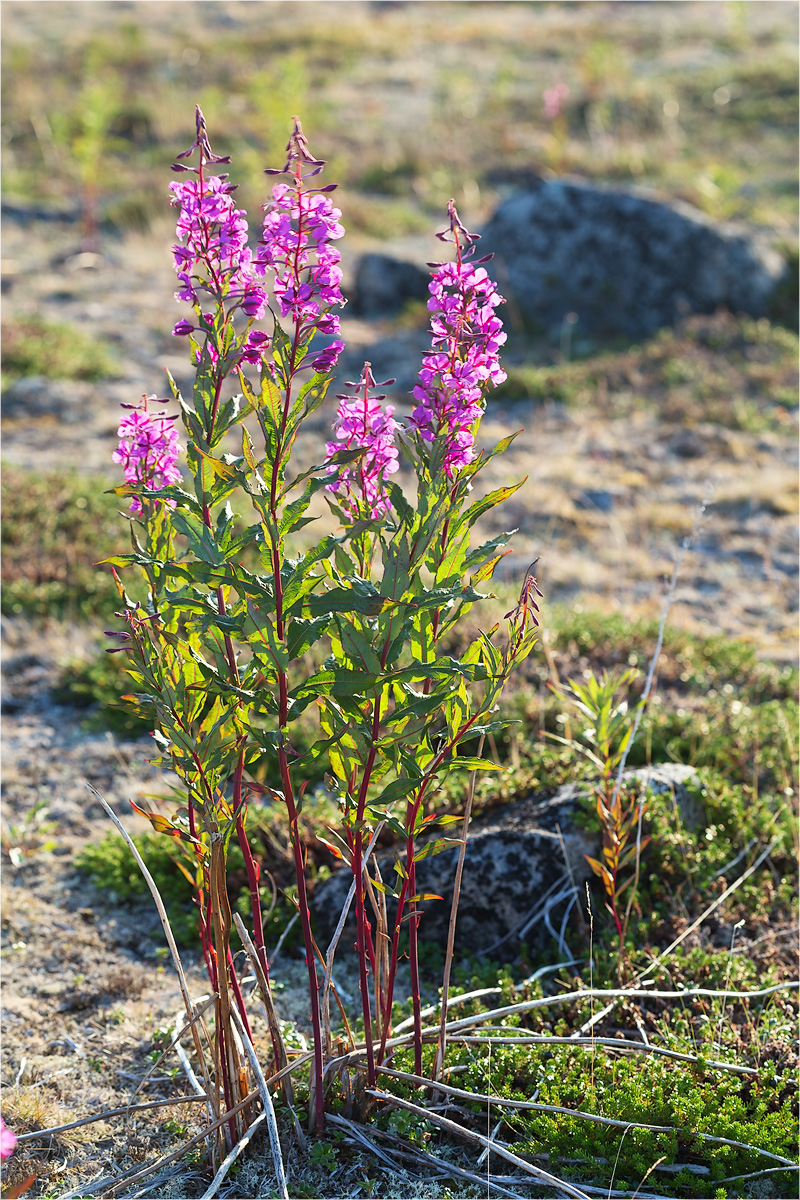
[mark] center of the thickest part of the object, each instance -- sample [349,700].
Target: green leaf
[397,790]
[471,764]
[357,599]
[201,540]
[498,496]
[435,847]
[336,682]
[357,647]
[302,634]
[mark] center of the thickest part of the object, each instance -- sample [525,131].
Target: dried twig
[640,707]
[135,1176]
[278,1044]
[230,1159]
[334,942]
[451,928]
[106,1114]
[447,1168]
[451,1127]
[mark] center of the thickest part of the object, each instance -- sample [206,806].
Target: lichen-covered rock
[623,261]
[516,876]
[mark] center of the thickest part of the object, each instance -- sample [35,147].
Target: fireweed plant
[217,652]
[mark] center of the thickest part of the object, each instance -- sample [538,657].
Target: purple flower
[148,450]
[8,1140]
[554,98]
[255,347]
[326,359]
[361,422]
[183,328]
[464,358]
[299,227]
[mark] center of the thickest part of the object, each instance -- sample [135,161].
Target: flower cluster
[299,226]
[362,423]
[464,359]
[213,259]
[148,450]
[554,99]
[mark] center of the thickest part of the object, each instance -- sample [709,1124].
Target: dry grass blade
[719,900]
[611,1043]
[451,928]
[106,1114]
[334,942]
[556,1110]
[269,1006]
[173,949]
[451,1127]
[269,1110]
[231,1157]
[597,1017]
[135,1176]
[494,1185]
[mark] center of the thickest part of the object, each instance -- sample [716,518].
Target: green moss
[56,526]
[58,351]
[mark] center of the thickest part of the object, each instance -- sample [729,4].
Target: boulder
[624,262]
[516,876]
[383,285]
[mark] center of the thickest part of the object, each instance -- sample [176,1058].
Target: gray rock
[624,262]
[383,285]
[38,396]
[515,873]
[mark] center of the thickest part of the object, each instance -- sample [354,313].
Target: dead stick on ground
[482,1141]
[106,1114]
[119,1182]
[231,1157]
[173,949]
[363,1139]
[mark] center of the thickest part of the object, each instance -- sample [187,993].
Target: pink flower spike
[8,1140]
[148,450]
[362,423]
[554,98]
[464,357]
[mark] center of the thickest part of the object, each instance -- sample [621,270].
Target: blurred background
[410,104]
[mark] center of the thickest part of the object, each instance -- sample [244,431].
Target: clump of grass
[736,372]
[110,866]
[56,527]
[96,684]
[32,346]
